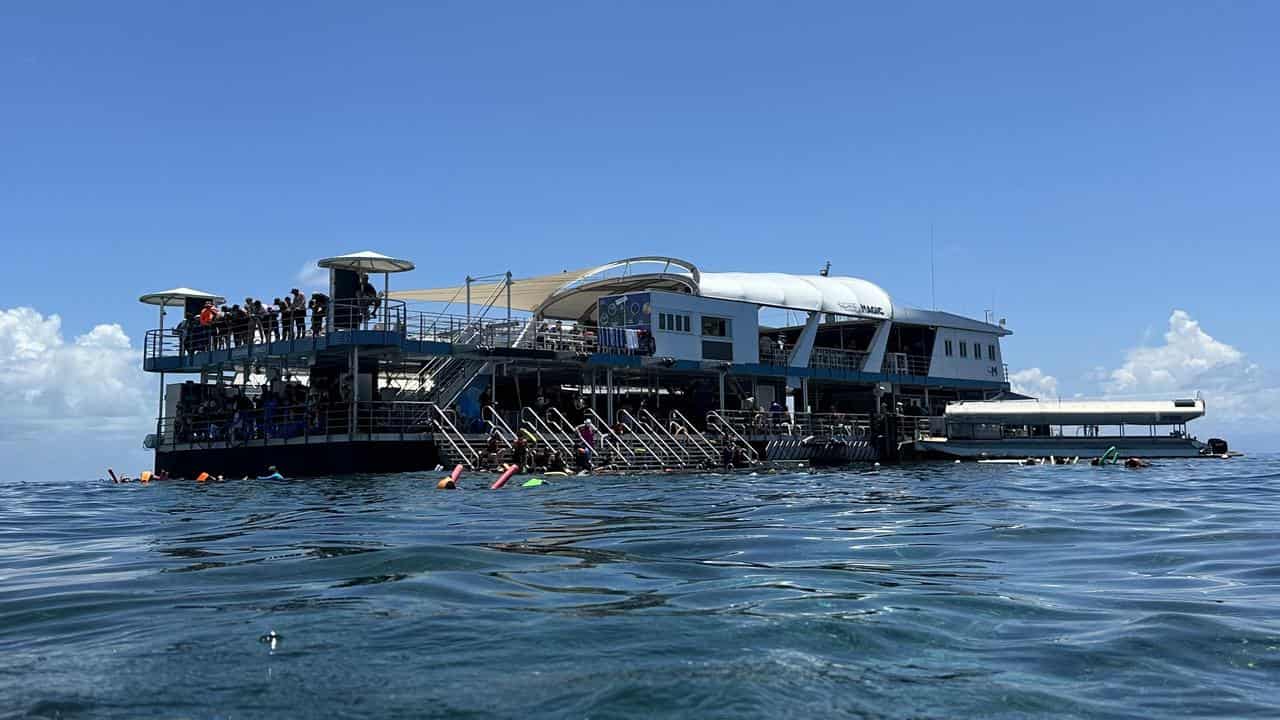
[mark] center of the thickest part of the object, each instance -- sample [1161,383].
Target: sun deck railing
[313,422]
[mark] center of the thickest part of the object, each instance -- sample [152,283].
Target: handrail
[657,440]
[688,456]
[620,439]
[607,436]
[498,425]
[755,457]
[701,440]
[539,421]
[475,456]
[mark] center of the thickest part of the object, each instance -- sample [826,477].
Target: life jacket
[207,315]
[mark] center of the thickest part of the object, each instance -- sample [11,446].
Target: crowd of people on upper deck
[284,318]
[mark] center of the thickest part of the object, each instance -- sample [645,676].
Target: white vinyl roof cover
[837,295]
[1076,412]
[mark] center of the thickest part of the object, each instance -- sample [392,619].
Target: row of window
[711,326]
[673,322]
[964,350]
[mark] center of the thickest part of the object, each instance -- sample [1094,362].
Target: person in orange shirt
[208,314]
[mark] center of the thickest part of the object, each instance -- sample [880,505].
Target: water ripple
[921,591]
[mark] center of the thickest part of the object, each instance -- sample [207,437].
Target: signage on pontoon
[864,309]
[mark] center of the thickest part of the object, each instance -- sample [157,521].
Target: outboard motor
[1217,446]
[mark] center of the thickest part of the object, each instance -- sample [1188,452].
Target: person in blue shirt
[272,474]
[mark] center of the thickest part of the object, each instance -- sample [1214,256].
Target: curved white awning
[850,296]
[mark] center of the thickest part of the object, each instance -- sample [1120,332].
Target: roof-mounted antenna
[826,269]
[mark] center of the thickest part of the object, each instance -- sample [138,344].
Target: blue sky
[1087,167]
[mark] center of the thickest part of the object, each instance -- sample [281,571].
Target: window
[673,322]
[715,327]
[964,349]
[977,351]
[991,352]
[947,347]
[717,350]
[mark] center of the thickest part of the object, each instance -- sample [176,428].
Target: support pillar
[608,382]
[355,390]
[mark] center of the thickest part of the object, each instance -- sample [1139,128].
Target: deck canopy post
[608,382]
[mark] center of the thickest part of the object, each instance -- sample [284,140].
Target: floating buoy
[202,477]
[532,482]
[504,477]
[446,484]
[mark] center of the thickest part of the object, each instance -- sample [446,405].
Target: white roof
[1077,412]
[839,295]
[938,318]
[177,295]
[367,261]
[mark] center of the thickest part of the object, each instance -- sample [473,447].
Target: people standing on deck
[208,319]
[319,309]
[273,320]
[298,304]
[284,311]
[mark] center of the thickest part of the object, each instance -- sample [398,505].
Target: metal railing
[664,430]
[896,363]
[530,420]
[819,357]
[607,427]
[715,419]
[630,421]
[782,422]
[312,421]
[499,425]
[700,440]
[455,438]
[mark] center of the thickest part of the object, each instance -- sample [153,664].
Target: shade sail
[526,293]
[176,296]
[368,262]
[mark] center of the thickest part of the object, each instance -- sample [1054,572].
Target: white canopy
[838,295]
[1076,412]
[179,295]
[368,262]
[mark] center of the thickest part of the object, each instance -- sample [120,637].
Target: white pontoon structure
[675,366]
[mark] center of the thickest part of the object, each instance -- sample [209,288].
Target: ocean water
[916,591]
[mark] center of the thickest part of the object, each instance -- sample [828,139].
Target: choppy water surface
[935,590]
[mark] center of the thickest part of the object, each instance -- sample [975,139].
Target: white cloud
[311,278]
[1034,383]
[47,383]
[1182,362]
[1191,360]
